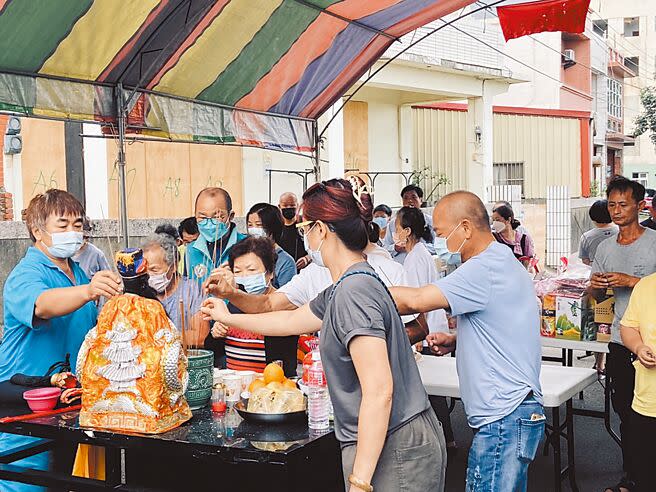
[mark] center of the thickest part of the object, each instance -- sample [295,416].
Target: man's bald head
[215,192]
[464,205]
[288,200]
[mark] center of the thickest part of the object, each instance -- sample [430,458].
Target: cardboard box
[603,332]
[589,332]
[604,311]
[572,314]
[548,324]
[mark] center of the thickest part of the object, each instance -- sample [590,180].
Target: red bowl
[42,399]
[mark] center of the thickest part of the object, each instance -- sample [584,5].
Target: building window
[614,98]
[632,63]
[508,173]
[600,27]
[640,178]
[631,26]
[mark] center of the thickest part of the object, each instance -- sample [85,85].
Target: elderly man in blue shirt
[499,353]
[49,303]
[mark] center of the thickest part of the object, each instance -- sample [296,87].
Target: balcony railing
[450,45]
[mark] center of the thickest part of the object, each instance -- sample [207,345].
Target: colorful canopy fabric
[254,72]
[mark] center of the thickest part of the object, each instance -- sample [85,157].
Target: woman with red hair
[389,435]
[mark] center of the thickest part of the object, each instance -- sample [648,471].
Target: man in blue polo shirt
[49,303]
[499,354]
[218,234]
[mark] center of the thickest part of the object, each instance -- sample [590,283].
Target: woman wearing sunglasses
[390,437]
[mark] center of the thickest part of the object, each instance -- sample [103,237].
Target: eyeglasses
[221,215]
[302,227]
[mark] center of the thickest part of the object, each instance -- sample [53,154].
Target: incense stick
[109,243]
[182,326]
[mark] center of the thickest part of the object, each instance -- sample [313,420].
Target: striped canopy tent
[244,72]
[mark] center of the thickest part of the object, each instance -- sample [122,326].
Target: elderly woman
[49,302]
[265,220]
[252,263]
[180,296]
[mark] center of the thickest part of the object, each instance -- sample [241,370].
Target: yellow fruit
[275,385]
[273,373]
[288,383]
[256,384]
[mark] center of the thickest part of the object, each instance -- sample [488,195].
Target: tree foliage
[646,121]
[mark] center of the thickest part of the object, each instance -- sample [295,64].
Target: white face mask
[257,232]
[159,282]
[65,244]
[498,226]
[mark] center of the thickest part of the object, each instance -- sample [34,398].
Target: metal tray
[270,418]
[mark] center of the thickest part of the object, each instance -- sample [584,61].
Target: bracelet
[359,483]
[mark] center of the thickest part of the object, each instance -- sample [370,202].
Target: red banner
[548,15]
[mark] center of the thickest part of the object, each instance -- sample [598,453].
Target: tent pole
[317,151]
[123,195]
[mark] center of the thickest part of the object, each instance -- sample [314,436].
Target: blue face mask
[212,229]
[65,244]
[381,221]
[442,250]
[253,284]
[317,259]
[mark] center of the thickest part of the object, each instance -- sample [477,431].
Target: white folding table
[567,359]
[559,385]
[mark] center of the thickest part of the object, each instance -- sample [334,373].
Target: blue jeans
[501,451]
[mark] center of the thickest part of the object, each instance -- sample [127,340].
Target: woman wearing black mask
[289,240]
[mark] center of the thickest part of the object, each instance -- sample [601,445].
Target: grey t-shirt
[192,298]
[361,306]
[591,239]
[637,259]
[91,260]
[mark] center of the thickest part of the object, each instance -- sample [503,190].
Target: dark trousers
[642,452]
[620,375]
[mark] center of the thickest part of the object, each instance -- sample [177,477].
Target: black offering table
[207,453]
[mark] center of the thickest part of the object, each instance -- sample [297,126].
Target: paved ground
[598,459]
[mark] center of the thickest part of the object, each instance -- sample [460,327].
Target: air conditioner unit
[13,126]
[568,55]
[13,144]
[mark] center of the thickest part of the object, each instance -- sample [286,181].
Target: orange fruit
[275,385]
[288,383]
[273,373]
[256,384]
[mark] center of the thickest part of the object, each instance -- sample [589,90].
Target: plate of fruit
[273,399]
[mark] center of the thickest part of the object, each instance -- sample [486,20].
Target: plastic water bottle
[318,402]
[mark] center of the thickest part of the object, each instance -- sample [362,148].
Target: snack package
[548,325]
[572,314]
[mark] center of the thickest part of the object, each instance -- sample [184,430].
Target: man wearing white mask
[49,302]
[180,296]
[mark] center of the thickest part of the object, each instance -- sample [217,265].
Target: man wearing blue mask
[499,354]
[218,234]
[411,196]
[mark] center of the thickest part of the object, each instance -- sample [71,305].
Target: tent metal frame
[121,128]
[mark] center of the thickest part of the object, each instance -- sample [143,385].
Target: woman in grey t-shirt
[390,437]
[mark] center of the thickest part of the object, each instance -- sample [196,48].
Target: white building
[630,26]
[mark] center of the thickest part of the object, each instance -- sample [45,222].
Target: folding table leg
[607,407]
[555,413]
[113,475]
[571,466]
